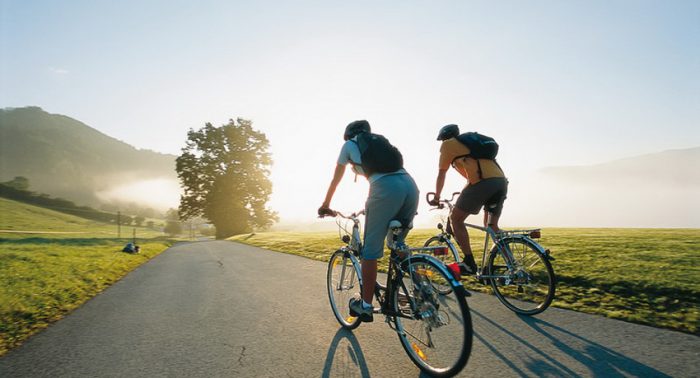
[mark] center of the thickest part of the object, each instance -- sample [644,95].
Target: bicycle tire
[445,259]
[429,325]
[531,288]
[343,280]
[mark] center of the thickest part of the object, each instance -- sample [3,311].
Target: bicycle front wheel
[343,282]
[529,287]
[434,329]
[446,256]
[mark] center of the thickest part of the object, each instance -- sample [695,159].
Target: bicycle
[518,269]
[435,330]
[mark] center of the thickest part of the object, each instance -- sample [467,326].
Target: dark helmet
[355,128]
[447,132]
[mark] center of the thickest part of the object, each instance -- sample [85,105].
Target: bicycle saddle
[397,225]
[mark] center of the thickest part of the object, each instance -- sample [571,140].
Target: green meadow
[646,276]
[51,263]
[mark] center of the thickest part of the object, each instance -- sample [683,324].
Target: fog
[654,190]
[159,193]
[551,201]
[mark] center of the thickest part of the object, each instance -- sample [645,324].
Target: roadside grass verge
[646,276]
[43,276]
[42,279]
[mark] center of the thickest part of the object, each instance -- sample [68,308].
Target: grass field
[647,276]
[65,261]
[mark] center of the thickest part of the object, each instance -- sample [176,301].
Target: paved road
[221,309]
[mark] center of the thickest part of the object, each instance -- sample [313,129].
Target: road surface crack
[240,358]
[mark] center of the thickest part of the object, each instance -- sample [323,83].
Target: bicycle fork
[507,257]
[344,272]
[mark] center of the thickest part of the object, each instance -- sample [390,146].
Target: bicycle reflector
[535,234]
[454,269]
[441,251]
[418,351]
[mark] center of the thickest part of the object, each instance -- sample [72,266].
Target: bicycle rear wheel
[446,257]
[434,329]
[529,288]
[343,282]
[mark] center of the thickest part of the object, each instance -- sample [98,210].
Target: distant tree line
[17,189]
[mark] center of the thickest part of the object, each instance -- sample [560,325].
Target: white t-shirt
[350,153]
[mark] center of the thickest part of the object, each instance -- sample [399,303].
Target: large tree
[224,172]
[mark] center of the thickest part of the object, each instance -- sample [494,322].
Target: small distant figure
[131,248]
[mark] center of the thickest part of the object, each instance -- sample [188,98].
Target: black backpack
[377,154]
[480,147]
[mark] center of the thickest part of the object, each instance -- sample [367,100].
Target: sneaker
[357,309]
[466,270]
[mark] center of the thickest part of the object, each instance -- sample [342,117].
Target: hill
[653,190]
[17,216]
[668,168]
[69,159]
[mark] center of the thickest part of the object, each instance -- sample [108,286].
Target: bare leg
[491,220]
[369,278]
[461,235]
[494,223]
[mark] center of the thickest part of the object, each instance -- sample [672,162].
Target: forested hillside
[69,159]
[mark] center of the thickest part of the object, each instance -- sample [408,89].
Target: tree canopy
[224,173]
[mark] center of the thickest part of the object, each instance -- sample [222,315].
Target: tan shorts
[489,194]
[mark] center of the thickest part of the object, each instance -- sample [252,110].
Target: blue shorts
[394,196]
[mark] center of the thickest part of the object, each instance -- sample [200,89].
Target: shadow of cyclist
[600,360]
[345,358]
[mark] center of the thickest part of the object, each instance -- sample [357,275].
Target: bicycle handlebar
[441,202]
[333,213]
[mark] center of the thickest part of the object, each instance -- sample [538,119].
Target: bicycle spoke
[343,284]
[434,334]
[446,257]
[529,287]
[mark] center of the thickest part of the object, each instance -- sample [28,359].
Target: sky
[555,82]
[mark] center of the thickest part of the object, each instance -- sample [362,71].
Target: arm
[440,182]
[337,176]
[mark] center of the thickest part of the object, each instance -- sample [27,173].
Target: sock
[469,261]
[366,305]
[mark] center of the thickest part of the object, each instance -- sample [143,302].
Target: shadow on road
[345,358]
[601,361]
[598,359]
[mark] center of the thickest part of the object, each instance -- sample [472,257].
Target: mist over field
[655,190]
[159,193]
[73,160]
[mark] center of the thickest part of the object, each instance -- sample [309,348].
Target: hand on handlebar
[433,200]
[324,211]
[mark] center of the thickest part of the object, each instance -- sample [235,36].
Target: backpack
[377,154]
[480,147]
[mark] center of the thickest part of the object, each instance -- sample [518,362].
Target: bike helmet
[355,128]
[447,132]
